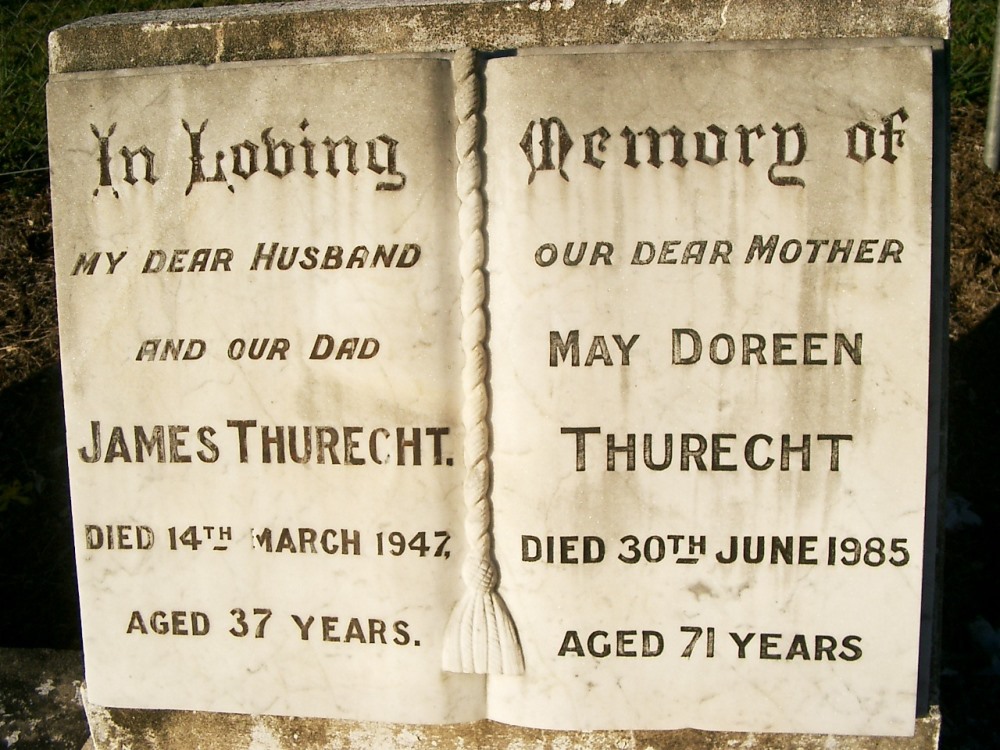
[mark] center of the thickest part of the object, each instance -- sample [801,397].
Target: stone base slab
[132,729]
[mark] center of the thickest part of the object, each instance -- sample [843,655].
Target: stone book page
[709,279]
[259,312]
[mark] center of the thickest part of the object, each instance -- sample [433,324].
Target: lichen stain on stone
[173,730]
[291,732]
[262,738]
[546,5]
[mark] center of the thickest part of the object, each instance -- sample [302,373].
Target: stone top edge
[328,28]
[261,10]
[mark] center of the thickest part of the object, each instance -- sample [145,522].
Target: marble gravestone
[445,375]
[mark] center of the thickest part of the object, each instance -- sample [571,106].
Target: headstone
[592,390]
[736,277]
[261,344]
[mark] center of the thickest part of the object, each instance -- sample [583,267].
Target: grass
[972,30]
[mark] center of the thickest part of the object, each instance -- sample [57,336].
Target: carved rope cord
[481,636]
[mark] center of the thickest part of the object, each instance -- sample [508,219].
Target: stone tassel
[481,636]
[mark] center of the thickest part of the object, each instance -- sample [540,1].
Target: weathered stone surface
[605,249]
[114,729]
[40,704]
[319,28]
[330,317]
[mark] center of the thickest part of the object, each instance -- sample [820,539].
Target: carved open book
[574,390]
